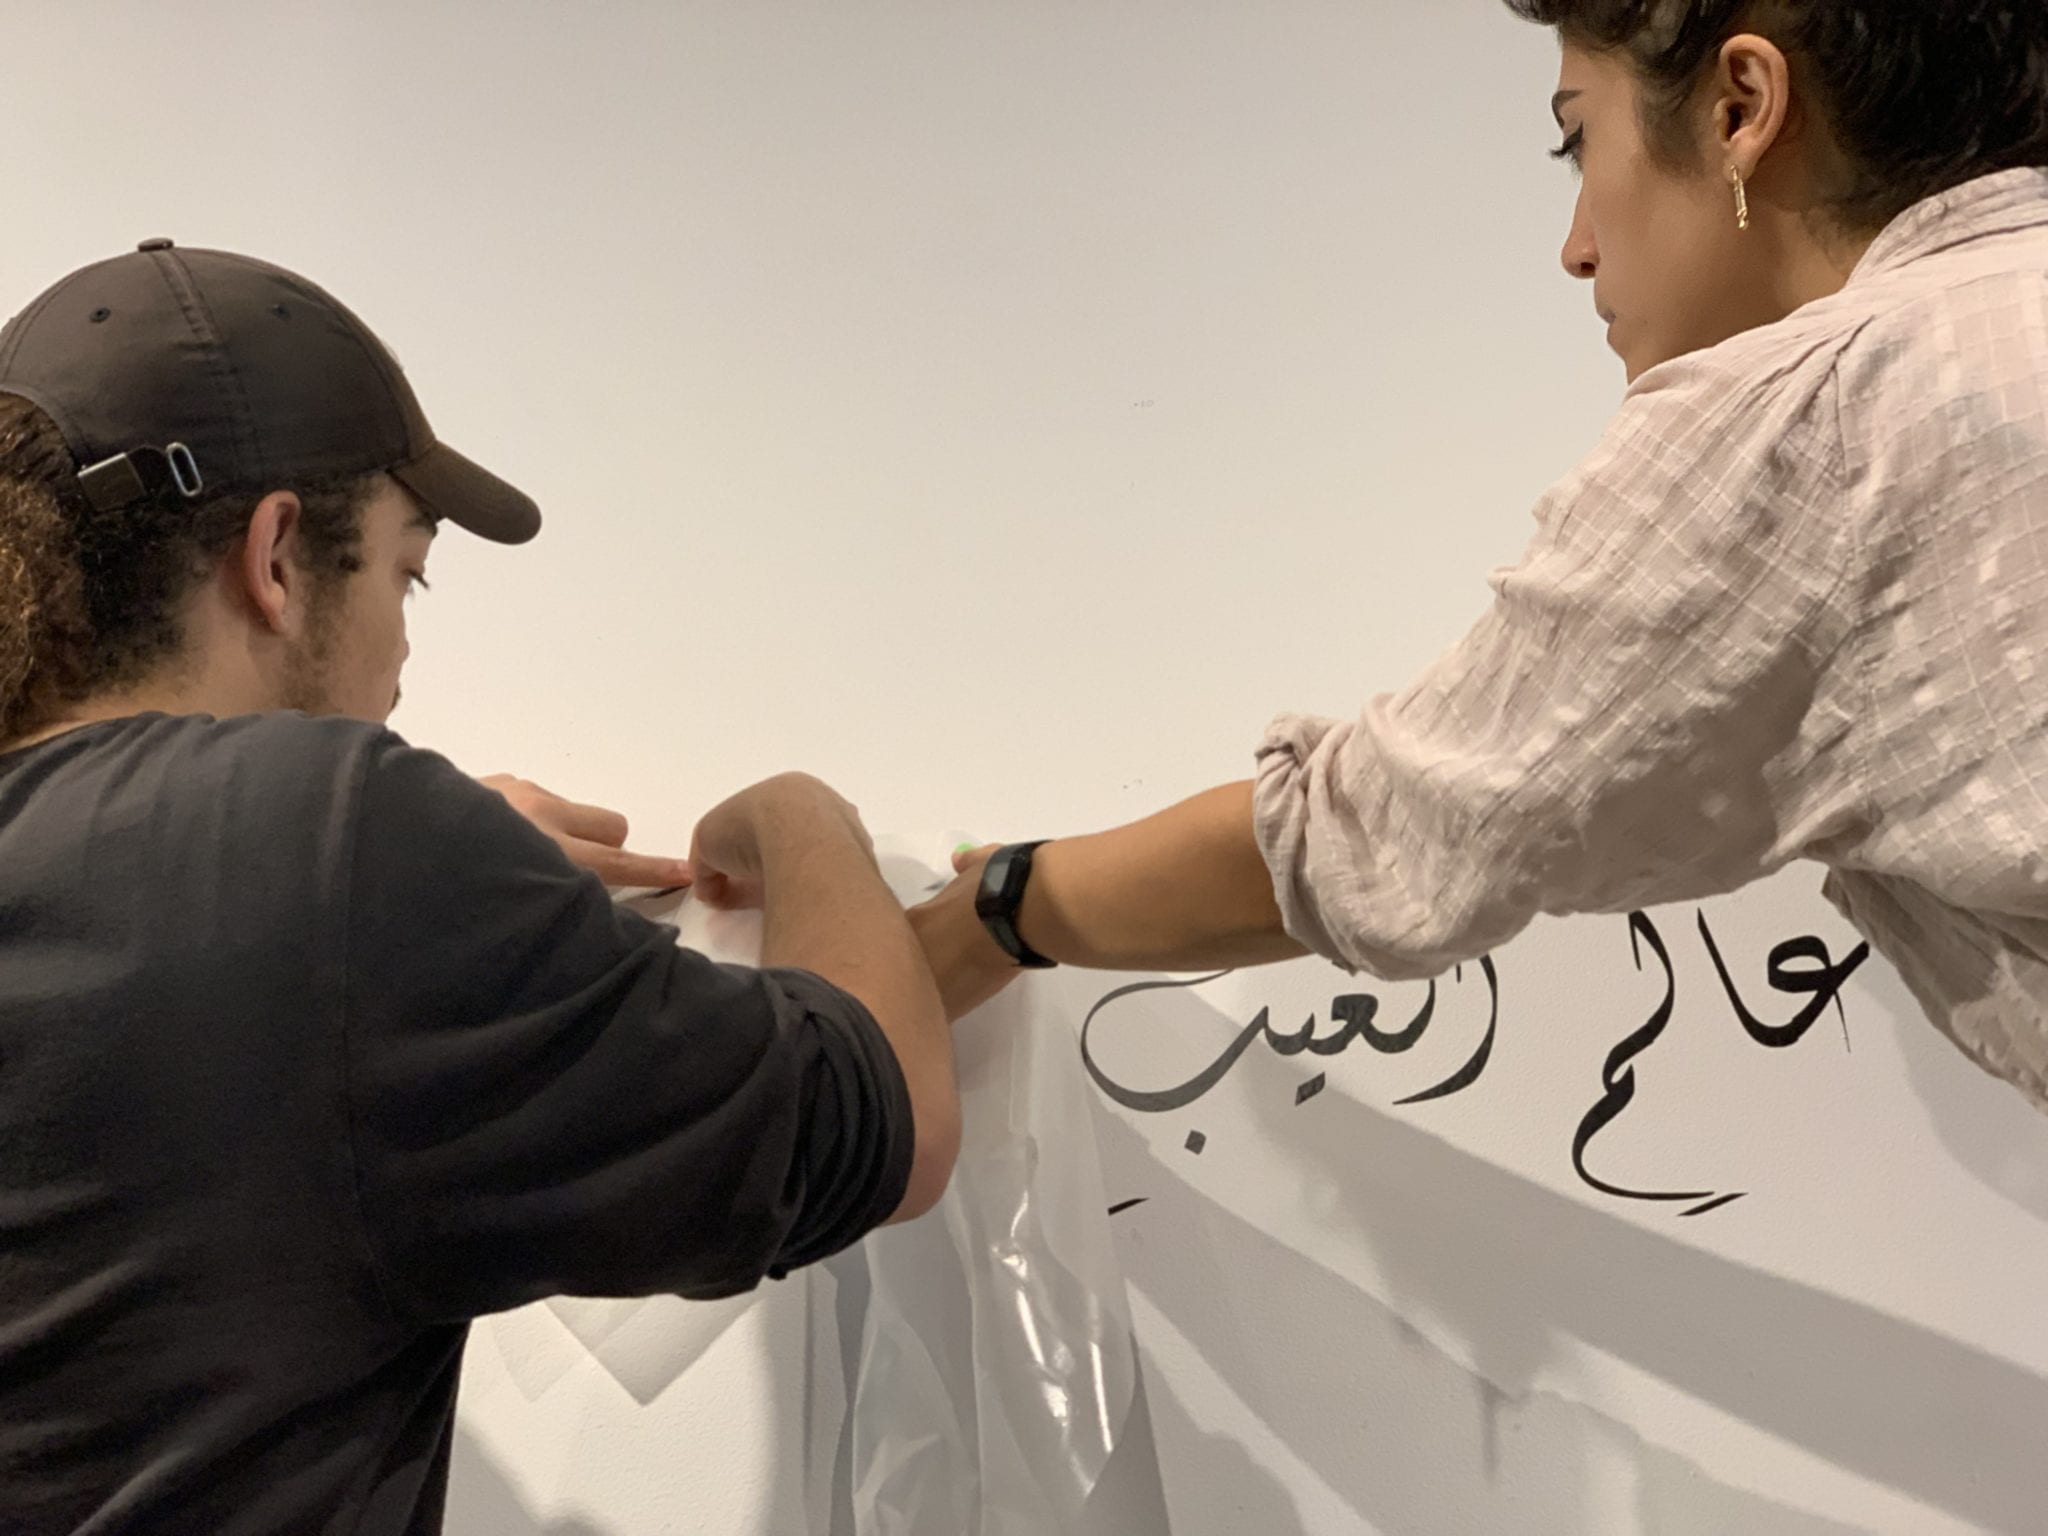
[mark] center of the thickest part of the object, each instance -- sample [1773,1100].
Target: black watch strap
[1003,879]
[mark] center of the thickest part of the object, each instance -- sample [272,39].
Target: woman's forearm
[1186,889]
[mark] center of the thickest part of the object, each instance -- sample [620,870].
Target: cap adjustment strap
[141,474]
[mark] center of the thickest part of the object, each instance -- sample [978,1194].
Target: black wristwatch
[1003,879]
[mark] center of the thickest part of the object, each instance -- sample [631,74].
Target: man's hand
[970,966]
[727,853]
[592,837]
[797,850]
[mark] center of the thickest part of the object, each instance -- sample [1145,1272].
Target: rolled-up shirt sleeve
[546,1095]
[1650,710]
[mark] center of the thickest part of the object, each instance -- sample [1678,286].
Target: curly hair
[1921,95]
[90,600]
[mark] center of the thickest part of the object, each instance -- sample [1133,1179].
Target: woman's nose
[1581,256]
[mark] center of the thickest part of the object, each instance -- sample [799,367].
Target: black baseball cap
[179,371]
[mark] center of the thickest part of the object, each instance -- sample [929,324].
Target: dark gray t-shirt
[312,1050]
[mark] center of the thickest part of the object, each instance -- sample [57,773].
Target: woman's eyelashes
[1572,149]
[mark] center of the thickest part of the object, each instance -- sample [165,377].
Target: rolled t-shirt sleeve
[1648,712]
[548,1096]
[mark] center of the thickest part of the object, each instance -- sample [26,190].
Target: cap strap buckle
[141,474]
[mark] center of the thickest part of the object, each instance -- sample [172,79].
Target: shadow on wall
[1395,1428]
[1992,1131]
[483,1502]
[1406,1437]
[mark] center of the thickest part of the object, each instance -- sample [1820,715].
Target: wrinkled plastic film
[995,1371]
[996,1357]
[984,1351]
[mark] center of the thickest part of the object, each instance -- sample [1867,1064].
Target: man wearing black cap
[311,1048]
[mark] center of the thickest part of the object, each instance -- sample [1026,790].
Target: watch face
[990,898]
[1003,880]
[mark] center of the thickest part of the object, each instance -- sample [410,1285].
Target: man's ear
[266,568]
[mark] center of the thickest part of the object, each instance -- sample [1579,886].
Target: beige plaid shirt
[1795,606]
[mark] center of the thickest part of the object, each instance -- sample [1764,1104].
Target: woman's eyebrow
[1558,103]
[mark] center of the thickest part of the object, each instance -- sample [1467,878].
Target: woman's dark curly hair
[90,600]
[1921,95]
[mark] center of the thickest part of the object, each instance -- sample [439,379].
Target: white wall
[1002,409]
[1359,1317]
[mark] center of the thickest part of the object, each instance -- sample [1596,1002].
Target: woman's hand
[969,966]
[592,837]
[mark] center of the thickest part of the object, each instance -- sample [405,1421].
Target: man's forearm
[1186,889]
[826,909]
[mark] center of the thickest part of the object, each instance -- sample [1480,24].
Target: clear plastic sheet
[985,1350]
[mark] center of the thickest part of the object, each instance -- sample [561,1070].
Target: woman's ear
[1752,101]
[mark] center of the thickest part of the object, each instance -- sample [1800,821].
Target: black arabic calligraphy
[1820,977]
[1358,1013]
[1801,966]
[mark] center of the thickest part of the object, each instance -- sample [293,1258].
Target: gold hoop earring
[1741,198]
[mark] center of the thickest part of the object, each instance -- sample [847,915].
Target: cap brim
[466,494]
